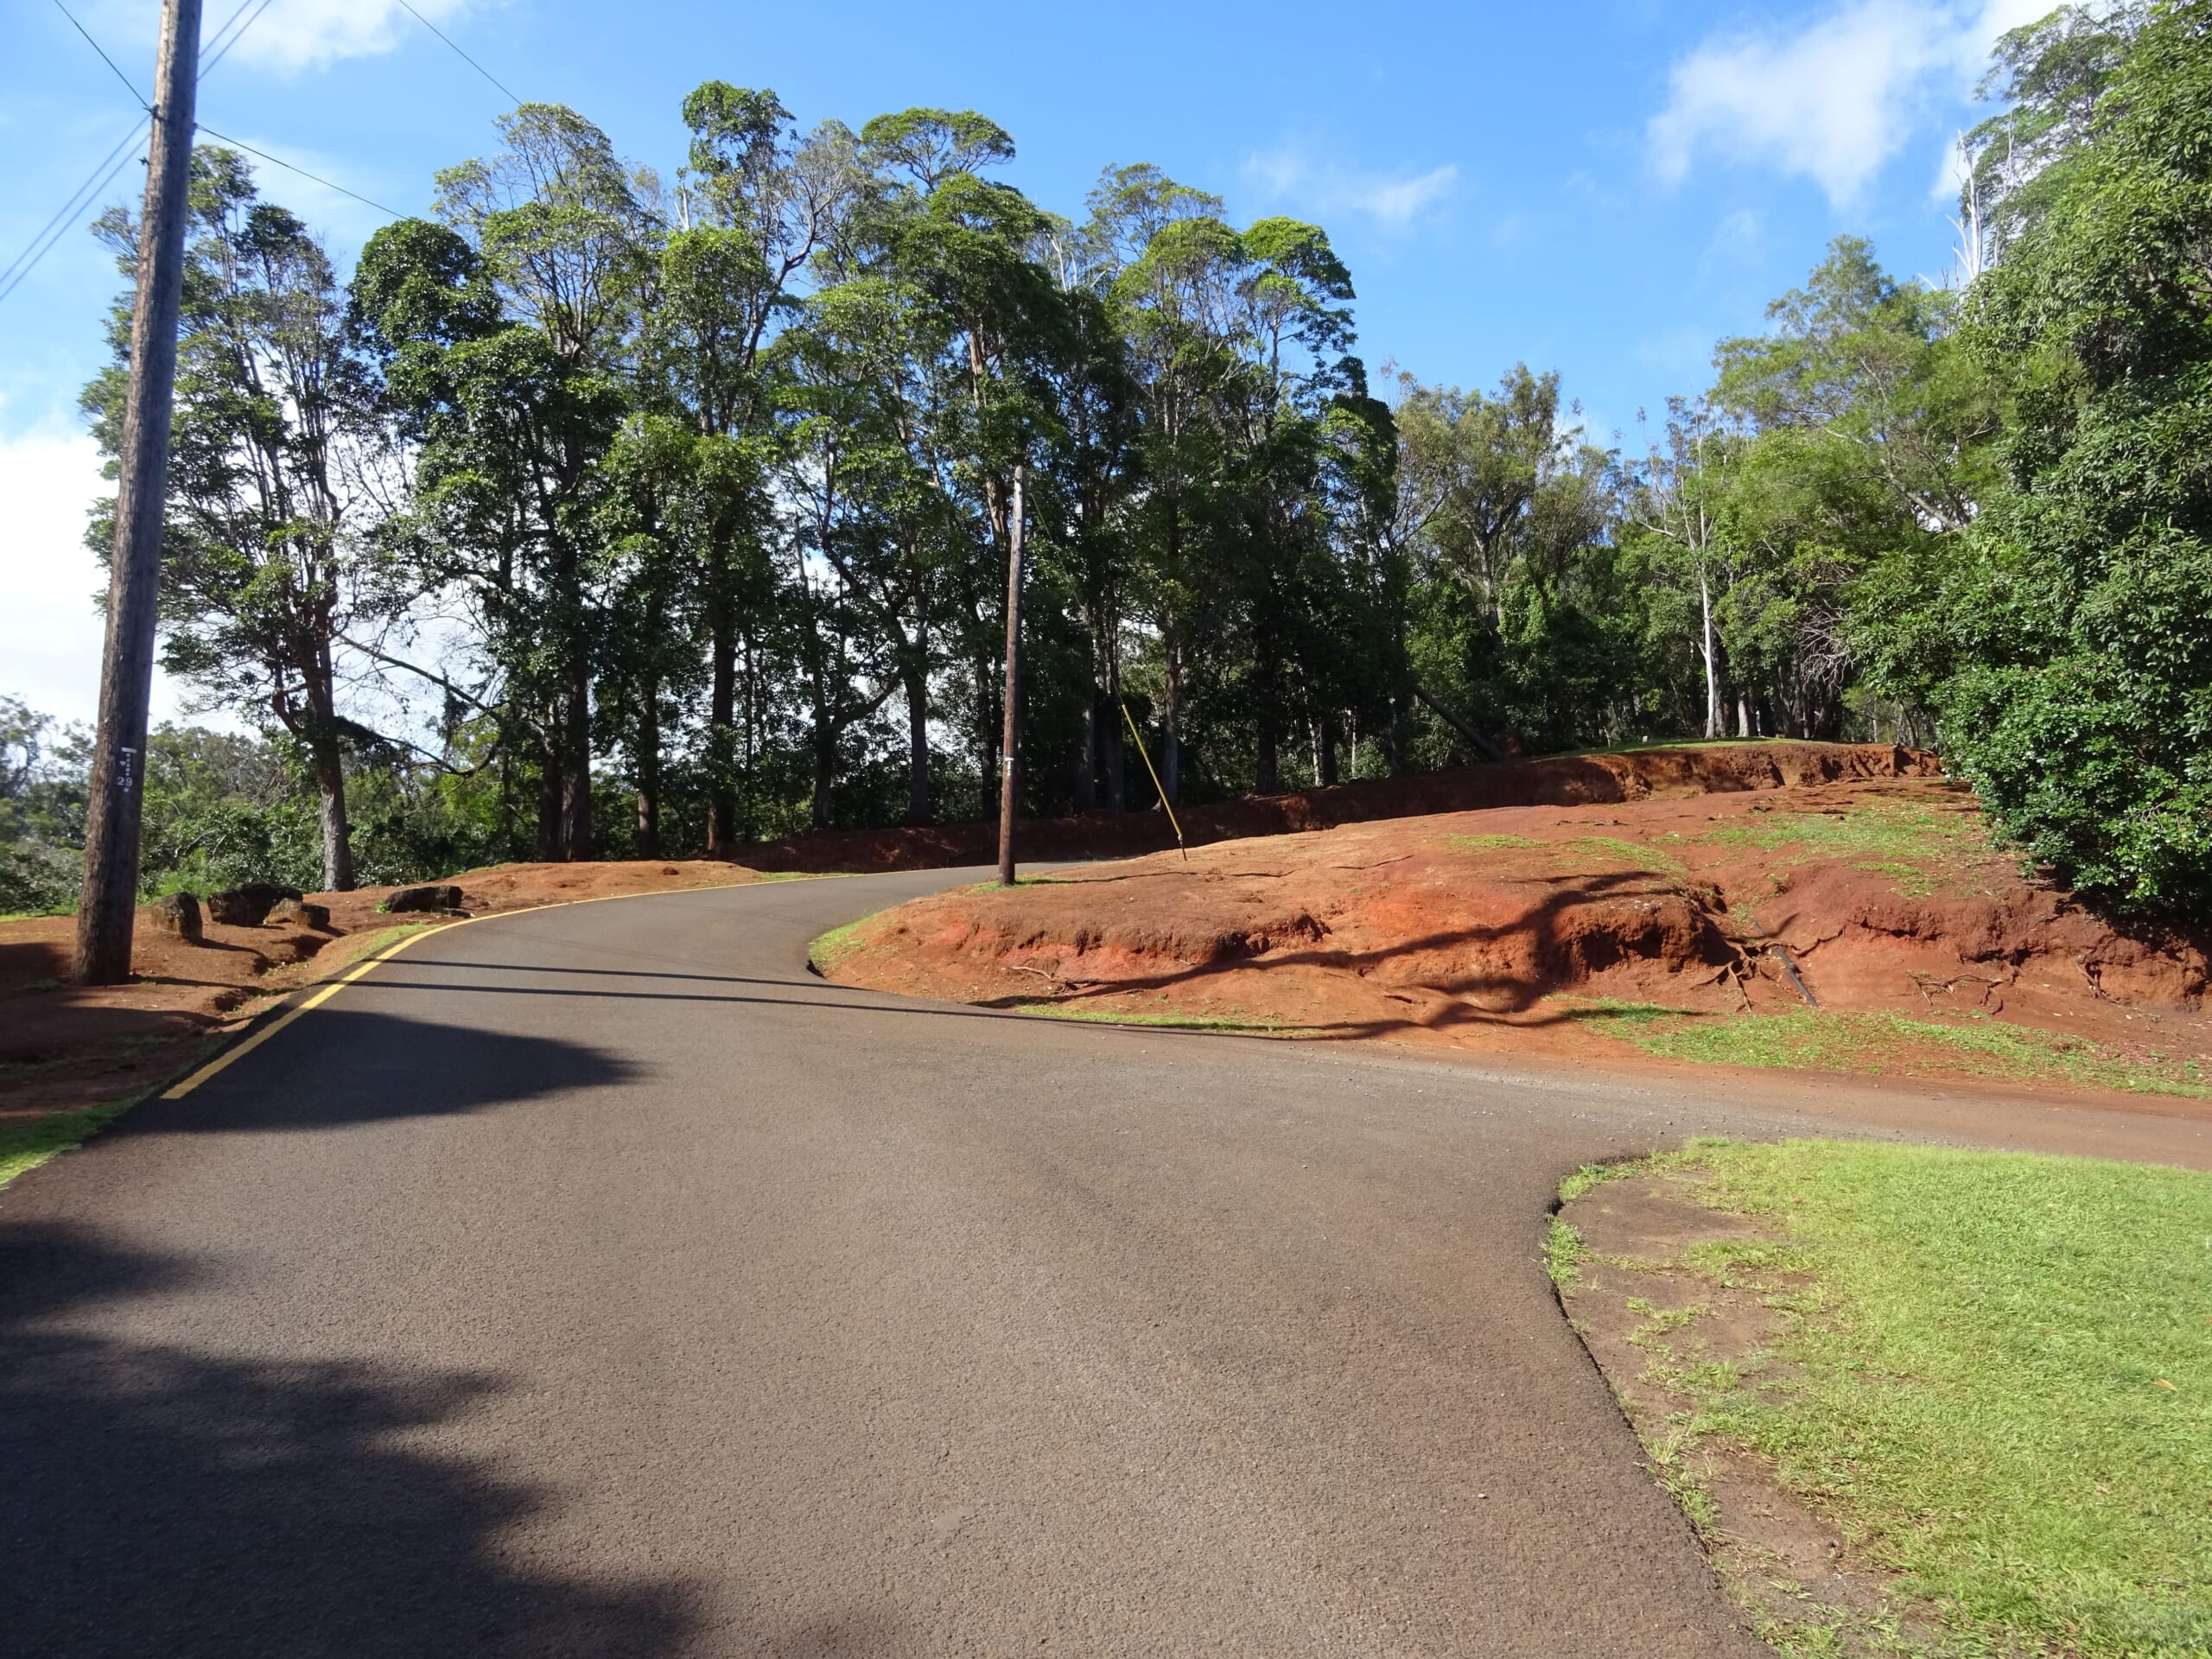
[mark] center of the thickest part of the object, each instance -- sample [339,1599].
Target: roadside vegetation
[741,574]
[1884,1043]
[1991,1373]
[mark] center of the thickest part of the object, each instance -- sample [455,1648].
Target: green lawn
[1995,1373]
[1879,1043]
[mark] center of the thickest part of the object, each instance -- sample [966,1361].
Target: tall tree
[279,467]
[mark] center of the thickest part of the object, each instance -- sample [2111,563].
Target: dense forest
[610,514]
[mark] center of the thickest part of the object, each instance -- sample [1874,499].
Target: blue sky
[1604,189]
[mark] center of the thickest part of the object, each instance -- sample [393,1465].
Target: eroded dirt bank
[1657,923]
[1558,780]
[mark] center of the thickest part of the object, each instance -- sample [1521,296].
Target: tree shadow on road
[161,1499]
[345,1065]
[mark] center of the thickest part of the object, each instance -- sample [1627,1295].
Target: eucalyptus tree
[563,241]
[758,205]
[280,468]
[985,320]
[1243,342]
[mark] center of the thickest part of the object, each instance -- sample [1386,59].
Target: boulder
[178,913]
[301,913]
[249,906]
[439,896]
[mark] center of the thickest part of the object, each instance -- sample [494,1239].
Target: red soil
[1560,780]
[1497,929]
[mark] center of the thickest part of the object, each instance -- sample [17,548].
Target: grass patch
[1600,849]
[839,942]
[24,1147]
[1489,843]
[1908,842]
[1995,1374]
[1879,1043]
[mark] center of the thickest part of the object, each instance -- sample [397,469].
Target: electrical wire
[137,97]
[50,235]
[464,56]
[302,171]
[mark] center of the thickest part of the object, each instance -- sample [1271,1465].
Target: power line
[222,45]
[302,171]
[138,96]
[49,235]
[112,163]
[464,56]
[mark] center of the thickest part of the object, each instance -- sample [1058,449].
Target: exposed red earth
[1541,928]
[1557,780]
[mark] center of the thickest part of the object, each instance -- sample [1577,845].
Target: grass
[1904,841]
[24,1147]
[1879,1044]
[1995,1372]
[833,947]
[1489,843]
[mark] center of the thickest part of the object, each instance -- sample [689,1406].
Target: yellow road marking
[238,1051]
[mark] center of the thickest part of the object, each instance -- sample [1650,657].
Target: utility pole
[108,906]
[1008,773]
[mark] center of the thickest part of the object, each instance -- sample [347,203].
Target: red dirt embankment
[1560,780]
[64,1046]
[1535,928]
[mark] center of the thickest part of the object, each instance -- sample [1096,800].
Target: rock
[178,913]
[435,897]
[301,913]
[249,906]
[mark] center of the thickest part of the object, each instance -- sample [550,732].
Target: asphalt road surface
[597,1281]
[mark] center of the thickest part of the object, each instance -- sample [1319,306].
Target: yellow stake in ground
[1156,783]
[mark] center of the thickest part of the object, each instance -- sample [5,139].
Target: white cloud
[1834,102]
[51,628]
[294,34]
[1392,201]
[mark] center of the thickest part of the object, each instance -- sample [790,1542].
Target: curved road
[596,1281]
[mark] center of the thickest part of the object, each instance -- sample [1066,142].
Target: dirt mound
[1543,927]
[1560,780]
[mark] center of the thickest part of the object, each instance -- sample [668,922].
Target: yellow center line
[239,1051]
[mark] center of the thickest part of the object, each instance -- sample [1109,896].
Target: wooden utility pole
[108,905]
[1010,778]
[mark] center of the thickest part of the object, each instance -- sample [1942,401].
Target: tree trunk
[1716,718]
[549,789]
[1086,755]
[1117,750]
[648,836]
[1010,744]
[1267,766]
[722,719]
[914,675]
[328,766]
[1326,742]
[825,767]
[1171,727]
[576,795]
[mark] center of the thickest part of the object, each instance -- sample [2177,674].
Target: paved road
[595,1281]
